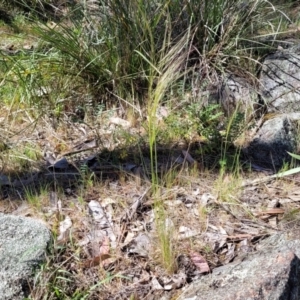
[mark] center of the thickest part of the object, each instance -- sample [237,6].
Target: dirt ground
[114,237]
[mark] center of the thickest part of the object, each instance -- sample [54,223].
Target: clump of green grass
[55,281]
[227,187]
[18,159]
[97,48]
[37,199]
[166,248]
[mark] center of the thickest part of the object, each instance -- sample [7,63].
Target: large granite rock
[23,243]
[270,145]
[280,81]
[276,102]
[271,273]
[280,92]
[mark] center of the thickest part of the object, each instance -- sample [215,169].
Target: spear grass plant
[169,69]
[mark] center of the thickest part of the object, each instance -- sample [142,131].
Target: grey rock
[237,95]
[140,245]
[60,165]
[272,273]
[280,80]
[279,94]
[270,146]
[23,243]
[4,180]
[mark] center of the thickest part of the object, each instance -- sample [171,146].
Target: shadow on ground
[71,173]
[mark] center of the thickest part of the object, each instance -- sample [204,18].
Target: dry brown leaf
[95,261]
[273,221]
[102,258]
[273,211]
[64,227]
[200,262]
[121,122]
[104,248]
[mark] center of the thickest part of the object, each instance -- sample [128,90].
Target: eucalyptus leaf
[294,155]
[287,173]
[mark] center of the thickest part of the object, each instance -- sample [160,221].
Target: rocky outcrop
[22,248]
[280,81]
[275,104]
[280,93]
[271,273]
[270,145]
